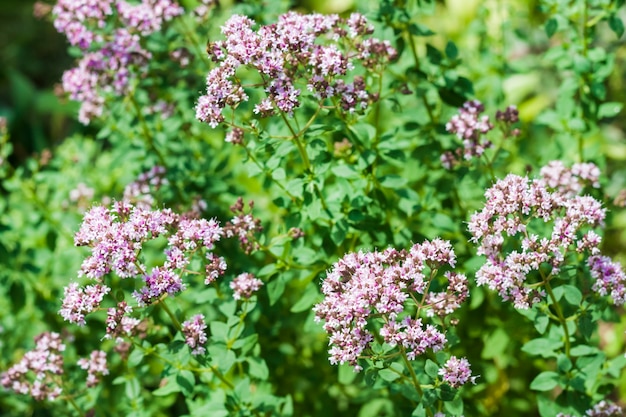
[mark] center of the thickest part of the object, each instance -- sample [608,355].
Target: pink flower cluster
[244,226]
[365,291]
[570,181]
[116,237]
[35,373]
[95,365]
[470,125]
[120,323]
[516,210]
[195,335]
[244,285]
[601,409]
[148,16]
[139,192]
[113,62]
[315,50]
[73,16]
[456,372]
[77,301]
[109,69]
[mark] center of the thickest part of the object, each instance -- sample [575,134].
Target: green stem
[305,160]
[74,405]
[414,379]
[427,105]
[559,314]
[150,140]
[296,139]
[170,314]
[191,38]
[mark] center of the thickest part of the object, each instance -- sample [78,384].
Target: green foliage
[326,182]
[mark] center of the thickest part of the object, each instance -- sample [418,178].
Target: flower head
[364,287]
[456,372]
[244,285]
[35,373]
[194,332]
[517,210]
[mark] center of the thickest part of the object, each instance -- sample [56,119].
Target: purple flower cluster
[109,69]
[470,125]
[315,50]
[116,237]
[120,323]
[95,365]
[73,16]
[148,16]
[601,409]
[244,226]
[195,335]
[139,192]
[514,208]
[244,285]
[456,372]
[35,373]
[79,301]
[384,287]
[570,181]
[110,63]
[609,278]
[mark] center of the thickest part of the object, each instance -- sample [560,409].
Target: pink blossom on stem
[457,372]
[95,365]
[244,285]
[35,374]
[77,302]
[319,50]
[366,287]
[119,322]
[510,208]
[194,332]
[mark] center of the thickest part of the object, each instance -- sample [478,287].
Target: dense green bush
[406,208]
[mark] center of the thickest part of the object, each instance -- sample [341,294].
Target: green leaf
[454,407]
[135,357]
[219,330]
[338,232]
[275,289]
[132,388]
[572,295]
[583,350]
[170,387]
[607,110]
[431,369]
[420,30]
[311,294]
[586,325]
[563,363]
[364,132]
[258,368]
[419,411]
[346,374]
[345,171]
[392,181]
[541,323]
[617,25]
[551,27]
[495,344]
[388,375]
[542,347]
[545,381]
[186,381]
[451,50]
[279,174]
[222,357]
